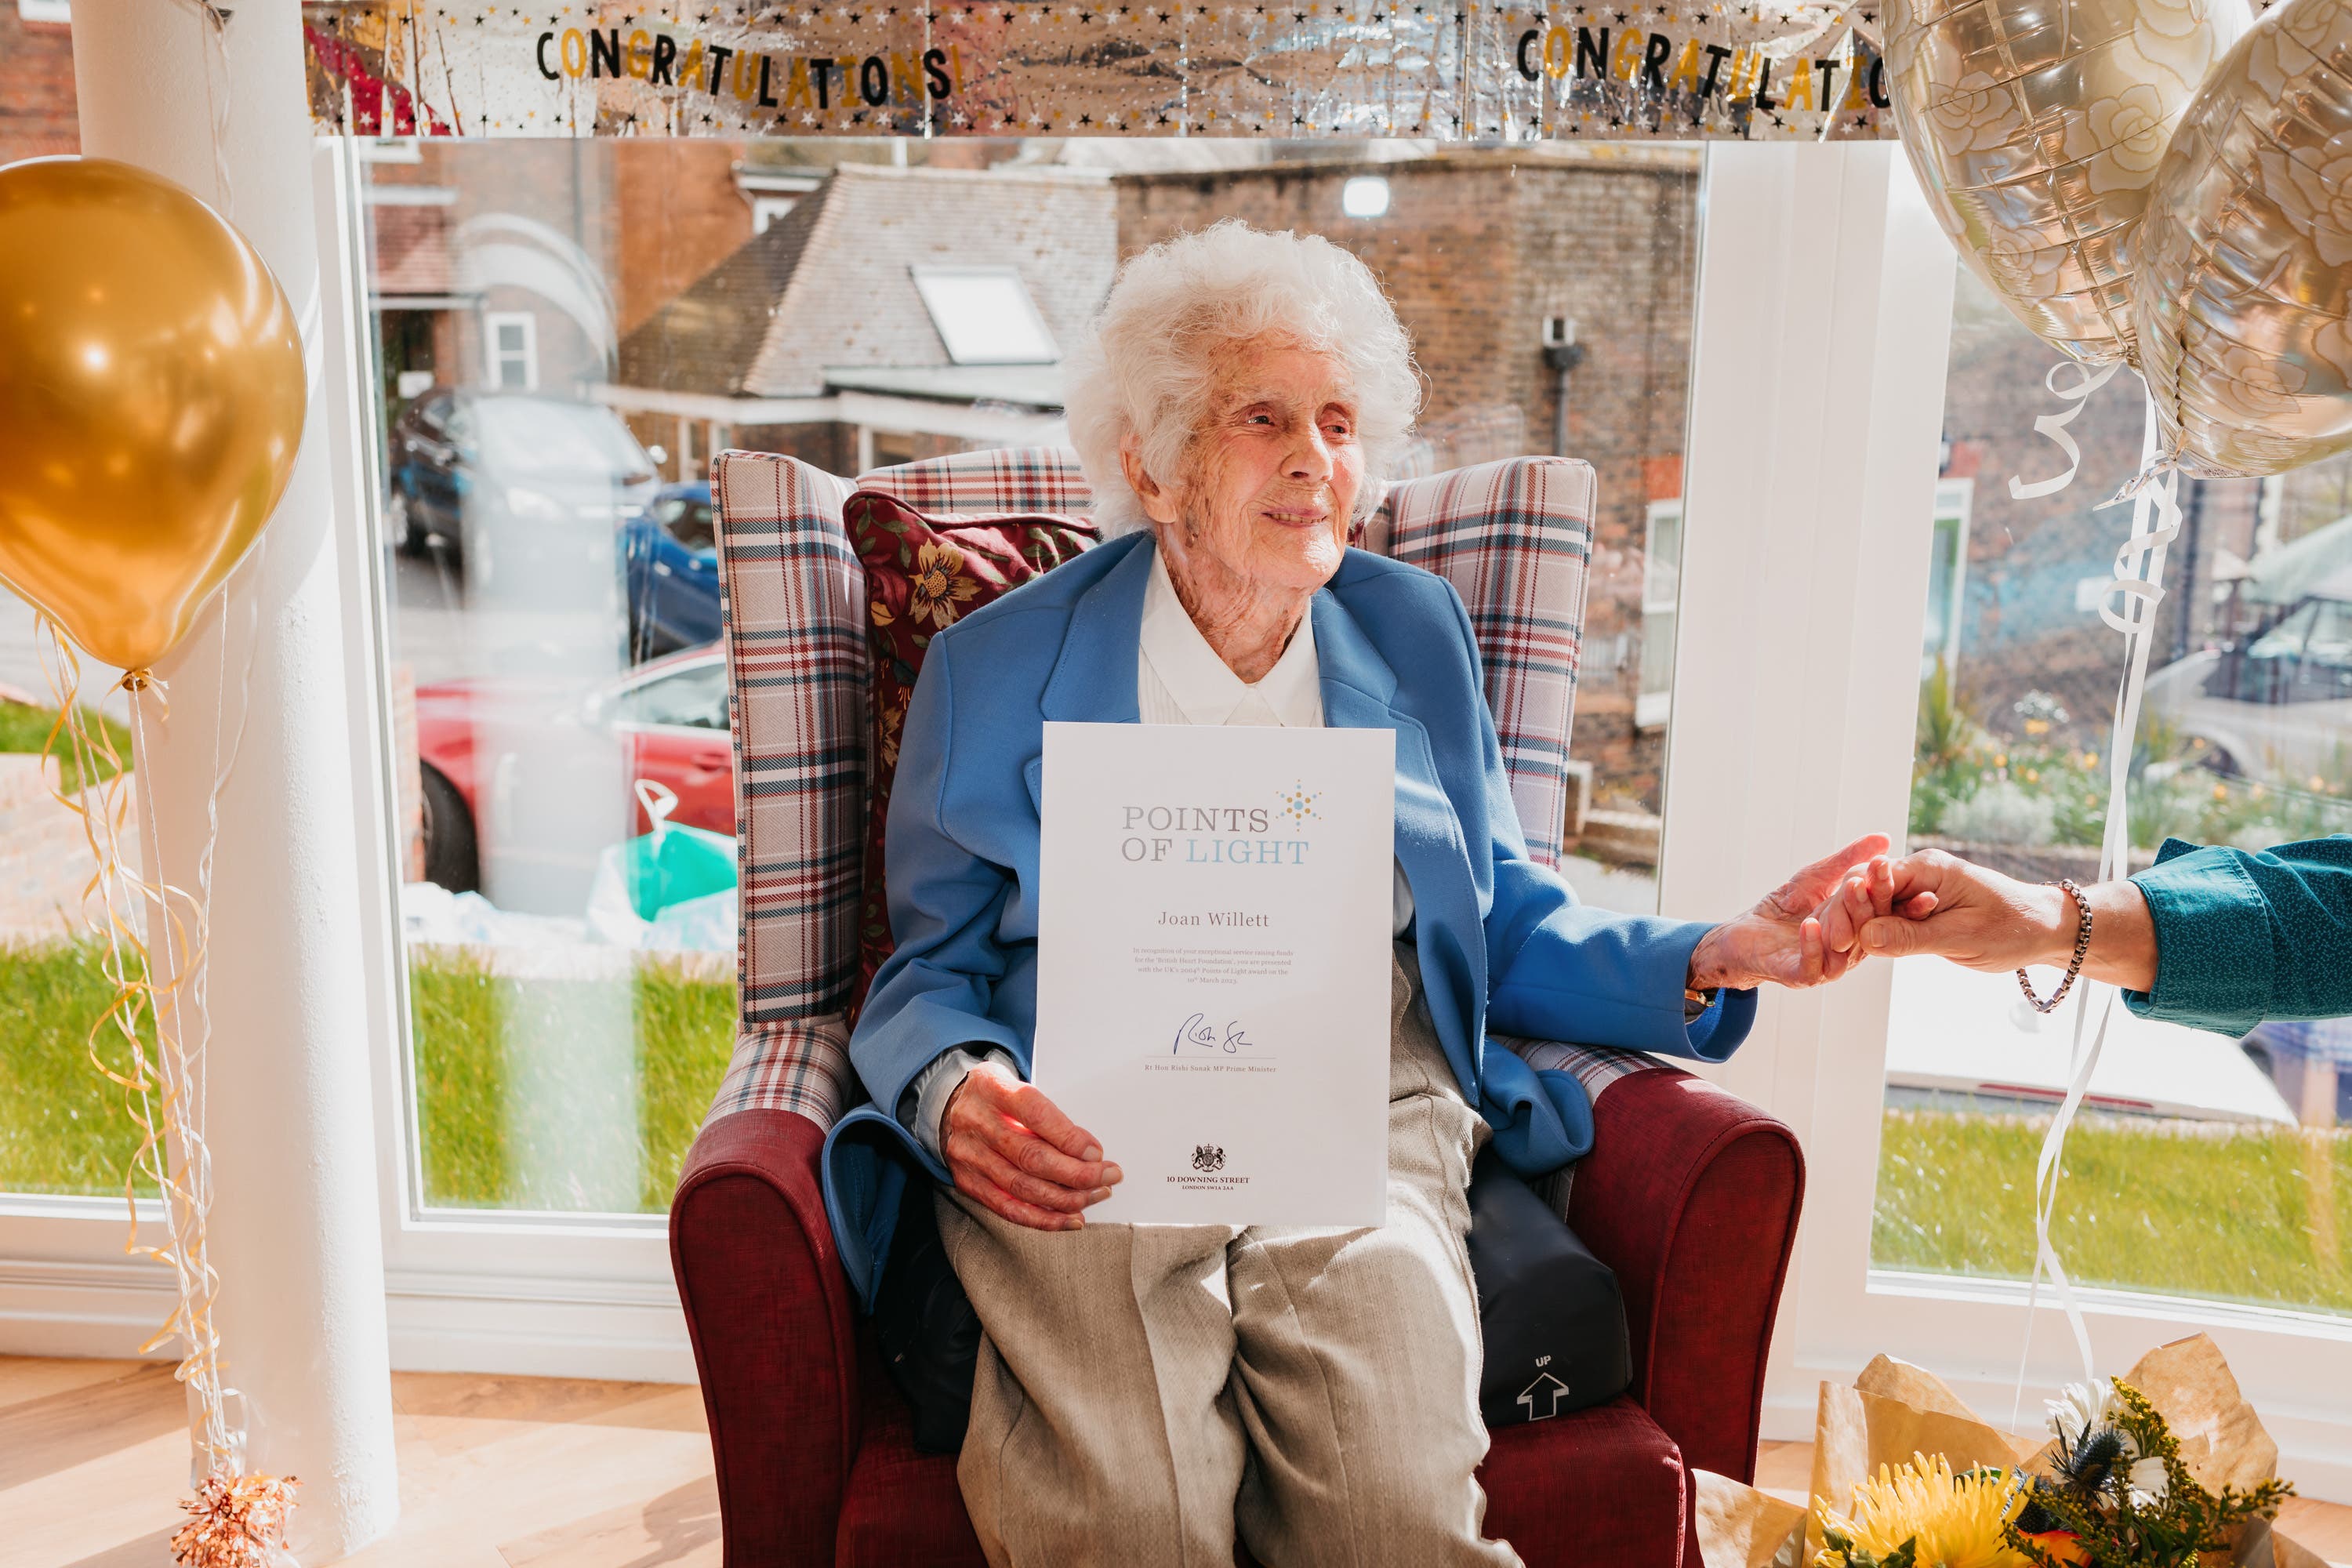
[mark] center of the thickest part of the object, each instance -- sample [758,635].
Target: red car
[527,781]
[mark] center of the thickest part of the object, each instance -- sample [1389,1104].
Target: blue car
[670,553]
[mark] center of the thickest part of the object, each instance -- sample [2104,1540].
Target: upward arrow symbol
[1550,1397]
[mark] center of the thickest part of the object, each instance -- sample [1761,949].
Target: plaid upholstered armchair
[1689,1194]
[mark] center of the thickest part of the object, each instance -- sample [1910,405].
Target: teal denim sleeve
[2244,936]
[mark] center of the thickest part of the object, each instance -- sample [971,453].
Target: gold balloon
[2036,126]
[151,390]
[2245,286]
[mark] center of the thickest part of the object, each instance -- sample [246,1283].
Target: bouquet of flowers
[2116,1492]
[2164,1467]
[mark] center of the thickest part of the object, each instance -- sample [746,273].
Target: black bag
[1552,1318]
[1550,1313]
[924,1324]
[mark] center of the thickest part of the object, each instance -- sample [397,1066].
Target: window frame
[1808,521]
[495,357]
[549,1295]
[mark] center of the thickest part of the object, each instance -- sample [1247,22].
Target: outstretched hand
[1934,902]
[1782,939]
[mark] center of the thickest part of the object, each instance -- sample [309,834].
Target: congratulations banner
[1353,68]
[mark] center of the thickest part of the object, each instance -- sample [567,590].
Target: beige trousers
[1144,1391]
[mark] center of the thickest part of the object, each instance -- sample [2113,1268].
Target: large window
[566,333]
[2204,1166]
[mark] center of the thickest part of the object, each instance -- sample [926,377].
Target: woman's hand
[1780,939]
[1934,902]
[1010,1149]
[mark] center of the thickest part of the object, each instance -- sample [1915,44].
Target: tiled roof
[411,249]
[829,285]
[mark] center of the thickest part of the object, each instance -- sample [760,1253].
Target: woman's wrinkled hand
[1780,940]
[1012,1150]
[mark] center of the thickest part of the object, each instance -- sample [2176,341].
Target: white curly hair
[1148,362]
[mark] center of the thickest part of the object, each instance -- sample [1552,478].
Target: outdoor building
[521,275]
[893,314]
[36,108]
[1549,294]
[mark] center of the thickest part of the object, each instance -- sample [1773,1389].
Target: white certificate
[1213,964]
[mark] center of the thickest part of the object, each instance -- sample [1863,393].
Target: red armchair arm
[774,1337]
[1691,1195]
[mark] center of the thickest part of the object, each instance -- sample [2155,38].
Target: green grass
[572,1095]
[584,1096]
[26,729]
[63,1128]
[2258,1216]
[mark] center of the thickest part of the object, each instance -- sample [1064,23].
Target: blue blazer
[1501,941]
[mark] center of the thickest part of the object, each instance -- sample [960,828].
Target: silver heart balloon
[2245,288]
[2036,128]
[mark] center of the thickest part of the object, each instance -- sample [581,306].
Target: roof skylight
[984,315]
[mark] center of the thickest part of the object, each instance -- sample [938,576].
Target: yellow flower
[939,585]
[2037,726]
[1958,1520]
[2220,792]
[2002,760]
[2032,775]
[2318,785]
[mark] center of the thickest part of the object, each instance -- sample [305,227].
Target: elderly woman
[1144,1391]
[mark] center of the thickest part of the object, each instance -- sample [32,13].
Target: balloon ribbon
[2138,582]
[237,1518]
[2053,426]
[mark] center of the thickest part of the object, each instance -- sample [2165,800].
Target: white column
[295,1232]
[1826,304]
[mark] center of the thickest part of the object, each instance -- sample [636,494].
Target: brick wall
[36,89]
[676,214]
[1476,250]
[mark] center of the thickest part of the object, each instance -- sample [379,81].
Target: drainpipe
[1563,353]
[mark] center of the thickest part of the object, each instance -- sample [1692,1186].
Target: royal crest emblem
[1208,1158]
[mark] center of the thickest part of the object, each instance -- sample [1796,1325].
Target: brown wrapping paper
[1740,1527]
[1895,1410]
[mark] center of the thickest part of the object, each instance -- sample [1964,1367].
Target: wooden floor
[495,1472]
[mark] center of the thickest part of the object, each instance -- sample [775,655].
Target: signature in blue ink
[1197,1030]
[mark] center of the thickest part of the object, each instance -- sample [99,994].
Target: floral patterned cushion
[921,573]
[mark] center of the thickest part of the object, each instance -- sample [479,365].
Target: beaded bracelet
[2082,947]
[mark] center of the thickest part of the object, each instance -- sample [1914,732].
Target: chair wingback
[1513,537]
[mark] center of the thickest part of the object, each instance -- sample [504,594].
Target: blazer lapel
[1094,680]
[1359,689]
